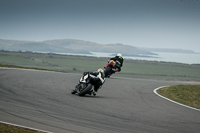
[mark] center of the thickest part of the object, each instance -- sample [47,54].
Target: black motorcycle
[85,85]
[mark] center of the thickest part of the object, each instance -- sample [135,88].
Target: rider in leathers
[119,62]
[98,78]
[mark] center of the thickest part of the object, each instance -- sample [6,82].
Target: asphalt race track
[42,100]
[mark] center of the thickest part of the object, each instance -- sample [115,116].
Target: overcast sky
[140,23]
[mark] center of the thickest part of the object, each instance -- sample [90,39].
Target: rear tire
[107,71]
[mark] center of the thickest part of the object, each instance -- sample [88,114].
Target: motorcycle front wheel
[86,90]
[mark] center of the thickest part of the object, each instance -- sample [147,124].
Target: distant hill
[71,46]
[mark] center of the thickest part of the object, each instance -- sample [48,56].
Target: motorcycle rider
[97,79]
[119,62]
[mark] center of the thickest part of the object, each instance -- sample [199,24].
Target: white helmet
[100,70]
[119,54]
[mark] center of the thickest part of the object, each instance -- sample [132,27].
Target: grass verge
[184,94]
[5,128]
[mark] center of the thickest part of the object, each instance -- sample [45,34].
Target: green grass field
[79,64]
[185,94]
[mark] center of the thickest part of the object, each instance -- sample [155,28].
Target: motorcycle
[85,85]
[111,67]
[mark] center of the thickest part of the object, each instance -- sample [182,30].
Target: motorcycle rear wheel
[107,72]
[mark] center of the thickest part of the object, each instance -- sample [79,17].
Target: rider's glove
[116,70]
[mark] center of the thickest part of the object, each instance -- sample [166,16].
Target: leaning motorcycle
[111,68]
[85,85]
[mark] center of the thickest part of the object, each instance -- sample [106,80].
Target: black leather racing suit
[98,78]
[118,60]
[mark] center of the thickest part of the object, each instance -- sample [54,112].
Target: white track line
[25,127]
[155,91]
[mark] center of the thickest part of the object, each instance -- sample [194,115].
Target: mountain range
[71,46]
[81,47]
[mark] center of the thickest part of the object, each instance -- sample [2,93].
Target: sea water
[161,56]
[172,57]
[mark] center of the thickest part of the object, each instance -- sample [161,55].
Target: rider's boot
[76,87]
[95,91]
[73,92]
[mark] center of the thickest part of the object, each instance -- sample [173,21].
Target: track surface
[42,100]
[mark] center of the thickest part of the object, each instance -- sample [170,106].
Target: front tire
[85,91]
